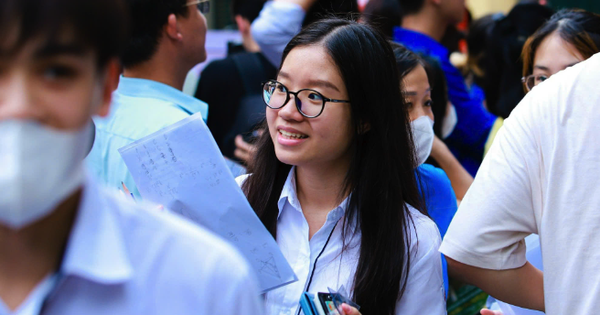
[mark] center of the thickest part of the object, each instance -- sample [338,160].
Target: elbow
[459,271]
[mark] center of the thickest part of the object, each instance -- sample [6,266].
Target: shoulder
[433,174]
[241,179]
[218,69]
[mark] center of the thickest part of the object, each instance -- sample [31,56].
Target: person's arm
[523,286]
[485,244]
[460,179]
[474,121]
[278,22]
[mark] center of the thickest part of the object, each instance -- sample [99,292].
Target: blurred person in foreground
[66,245]
[167,40]
[424,23]
[232,85]
[540,176]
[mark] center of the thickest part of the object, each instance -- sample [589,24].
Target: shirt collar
[137,87]
[96,249]
[288,193]
[420,42]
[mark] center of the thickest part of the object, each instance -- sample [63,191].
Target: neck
[28,255]
[318,190]
[426,23]
[163,67]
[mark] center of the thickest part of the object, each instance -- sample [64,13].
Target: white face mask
[422,129]
[449,122]
[40,168]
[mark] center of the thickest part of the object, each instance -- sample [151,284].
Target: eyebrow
[56,49]
[412,93]
[320,83]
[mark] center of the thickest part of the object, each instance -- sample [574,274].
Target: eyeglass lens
[309,102]
[533,80]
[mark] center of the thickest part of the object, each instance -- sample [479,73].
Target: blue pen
[132,196]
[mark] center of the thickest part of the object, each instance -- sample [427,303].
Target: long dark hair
[381,175]
[577,27]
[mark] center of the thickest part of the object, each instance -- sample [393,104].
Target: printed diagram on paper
[181,168]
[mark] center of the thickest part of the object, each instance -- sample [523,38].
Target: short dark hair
[97,24]
[383,15]
[324,9]
[248,9]
[147,20]
[410,6]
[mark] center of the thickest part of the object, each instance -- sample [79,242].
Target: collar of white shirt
[288,193]
[96,249]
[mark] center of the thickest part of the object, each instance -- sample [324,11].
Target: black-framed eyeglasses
[203,5]
[531,81]
[310,103]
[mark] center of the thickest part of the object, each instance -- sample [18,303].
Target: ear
[172,28]
[110,83]
[243,24]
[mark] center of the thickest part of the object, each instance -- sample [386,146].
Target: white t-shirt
[424,292]
[542,175]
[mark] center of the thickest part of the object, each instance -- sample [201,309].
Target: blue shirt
[126,258]
[440,200]
[139,108]
[468,139]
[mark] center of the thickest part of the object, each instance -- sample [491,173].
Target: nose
[16,99]
[289,111]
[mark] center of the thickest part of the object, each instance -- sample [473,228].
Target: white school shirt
[122,258]
[424,293]
[541,175]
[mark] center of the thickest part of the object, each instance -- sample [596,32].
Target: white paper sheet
[181,168]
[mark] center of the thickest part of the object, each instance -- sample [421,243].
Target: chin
[286,157]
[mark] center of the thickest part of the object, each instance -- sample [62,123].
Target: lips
[291,135]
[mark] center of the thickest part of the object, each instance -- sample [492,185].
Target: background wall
[480,8]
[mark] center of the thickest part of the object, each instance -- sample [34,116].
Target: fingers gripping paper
[182,168]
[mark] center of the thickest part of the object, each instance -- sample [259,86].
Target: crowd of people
[401,150]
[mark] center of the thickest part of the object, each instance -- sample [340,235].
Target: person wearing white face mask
[434,185]
[66,245]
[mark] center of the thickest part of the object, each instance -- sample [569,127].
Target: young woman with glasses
[569,37]
[333,176]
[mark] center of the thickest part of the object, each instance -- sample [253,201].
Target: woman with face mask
[435,186]
[333,177]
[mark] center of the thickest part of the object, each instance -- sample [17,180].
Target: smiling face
[417,93]
[321,141]
[553,55]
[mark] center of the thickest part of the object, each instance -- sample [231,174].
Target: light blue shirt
[140,107]
[126,258]
[276,25]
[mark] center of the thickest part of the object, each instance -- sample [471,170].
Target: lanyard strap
[312,274]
